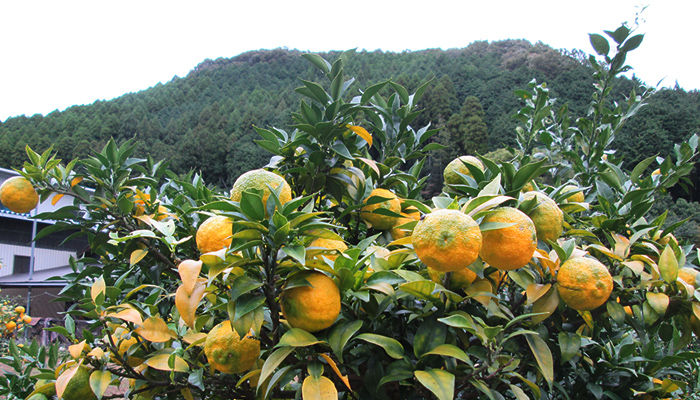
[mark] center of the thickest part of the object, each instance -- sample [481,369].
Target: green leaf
[632,43]
[658,301]
[371,91]
[99,381]
[640,168]
[429,335]
[298,338]
[441,383]
[392,346]
[319,62]
[569,344]
[668,265]
[341,334]
[272,362]
[600,44]
[449,350]
[543,356]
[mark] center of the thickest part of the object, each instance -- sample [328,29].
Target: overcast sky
[55,54]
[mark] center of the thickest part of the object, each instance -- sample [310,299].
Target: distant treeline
[205,120]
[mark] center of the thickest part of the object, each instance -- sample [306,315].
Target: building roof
[39,278]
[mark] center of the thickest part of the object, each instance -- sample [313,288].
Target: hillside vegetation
[204,121]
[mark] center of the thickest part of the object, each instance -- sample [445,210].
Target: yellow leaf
[535,291]
[76,350]
[189,272]
[636,266]
[161,362]
[154,330]
[318,388]
[187,302]
[97,352]
[98,288]
[371,164]
[196,338]
[137,255]
[402,242]
[480,287]
[76,181]
[129,315]
[64,378]
[187,394]
[658,301]
[99,382]
[333,365]
[546,304]
[668,265]
[56,198]
[361,132]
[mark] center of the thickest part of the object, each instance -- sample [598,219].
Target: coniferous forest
[205,120]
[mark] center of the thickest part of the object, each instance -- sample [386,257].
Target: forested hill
[205,120]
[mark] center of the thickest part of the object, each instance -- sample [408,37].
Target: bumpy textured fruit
[331,245]
[18,195]
[380,221]
[259,179]
[398,233]
[584,283]
[547,217]
[456,166]
[227,352]
[574,198]
[511,247]
[447,240]
[460,279]
[214,234]
[78,388]
[314,307]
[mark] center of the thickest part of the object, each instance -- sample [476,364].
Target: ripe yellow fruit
[314,307]
[331,245]
[78,388]
[26,319]
[511,247]
[380,221]
[214,234]
[584,283]
[259,179]
[10,326]
[688,275]
[398,233]
[461,279]
[574,198]
[456,166]
[227,352]
[20,310]
[447,240]
[547,217]
[18,195]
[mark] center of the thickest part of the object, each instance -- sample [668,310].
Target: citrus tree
[325,275]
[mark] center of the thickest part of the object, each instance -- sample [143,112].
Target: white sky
[55,54]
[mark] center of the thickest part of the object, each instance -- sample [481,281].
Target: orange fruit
[227,352]
[260,179]
[398,233]
[78,387]
[10,326]
[688,275]
[18,195]
[574,198]
[214,234]
[380,221]
[26,319]
[456,166]
[20,310]
[584,283]
[511,247]
[447,240]
[547,217]
[460,279]
[314,307]
[331,245]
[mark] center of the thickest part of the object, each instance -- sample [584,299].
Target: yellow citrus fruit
[398,233]
[314,307]
[78,388]
[18,195]
[20,310]
[574,198]
[331,245]
[447,240]
[214,234]
[456,166]
[460,279]
[380,221]
[227,352]
[26,319]
[11,326]
[259,179]
[688,275]
[511,247]
[584,283]
[547,217]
